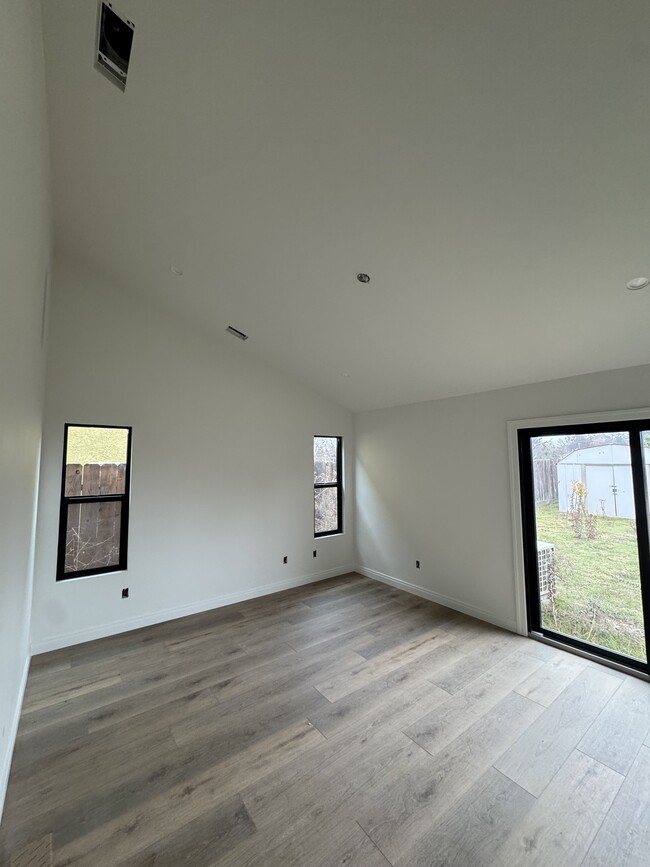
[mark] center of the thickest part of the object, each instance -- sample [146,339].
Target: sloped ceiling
[487,163]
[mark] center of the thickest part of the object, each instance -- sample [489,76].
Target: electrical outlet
[285,560]
[314,554]
[125,593]
[417,564]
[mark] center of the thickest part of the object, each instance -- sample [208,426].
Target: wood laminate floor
[342,723]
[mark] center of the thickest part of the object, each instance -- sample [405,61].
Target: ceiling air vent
[114,40]
[236,333]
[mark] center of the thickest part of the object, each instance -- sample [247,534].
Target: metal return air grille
[114,42]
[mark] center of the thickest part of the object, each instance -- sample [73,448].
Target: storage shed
[606,473]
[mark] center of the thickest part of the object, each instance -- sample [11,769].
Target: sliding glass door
[586,551]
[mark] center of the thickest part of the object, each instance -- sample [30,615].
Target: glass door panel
[587,553]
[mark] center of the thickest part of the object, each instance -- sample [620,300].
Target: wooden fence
[545,477]
[93,529]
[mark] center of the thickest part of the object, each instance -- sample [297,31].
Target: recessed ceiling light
[345,375]
[638,283]
[175,270]
[363,278]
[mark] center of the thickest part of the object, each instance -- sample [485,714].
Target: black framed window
[328,485]
[94,514]
[585,516]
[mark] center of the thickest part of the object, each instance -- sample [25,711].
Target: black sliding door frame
[634,428]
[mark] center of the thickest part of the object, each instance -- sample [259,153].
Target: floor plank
[439,727]
[350,680]
[406,801]
[552,678]
[616,735]
[561,825]
[473,829]
[403,687]
[482,658]
[202,841]
[624,837]
[542,750]
[140,826]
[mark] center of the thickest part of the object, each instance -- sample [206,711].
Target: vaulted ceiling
[486,163]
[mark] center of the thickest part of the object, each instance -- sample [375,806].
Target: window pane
[96,445]
[92,535]
[95,461]
[326,510]
[325,454]
[587,555]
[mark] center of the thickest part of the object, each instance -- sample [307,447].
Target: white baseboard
[5,768]
[448,601]
[118,626]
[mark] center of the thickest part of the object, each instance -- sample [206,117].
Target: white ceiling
[487,163]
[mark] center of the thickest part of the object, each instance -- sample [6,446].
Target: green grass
[598,596]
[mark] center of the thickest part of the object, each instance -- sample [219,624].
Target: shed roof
[607,454]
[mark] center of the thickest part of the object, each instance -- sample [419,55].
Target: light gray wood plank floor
[341,723]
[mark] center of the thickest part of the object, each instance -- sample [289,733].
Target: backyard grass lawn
[598,596]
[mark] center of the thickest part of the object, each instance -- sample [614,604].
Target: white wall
[432,483]
[222,466]
[24,254]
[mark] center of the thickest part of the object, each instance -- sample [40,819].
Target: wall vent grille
[114,42]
